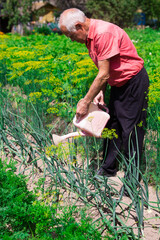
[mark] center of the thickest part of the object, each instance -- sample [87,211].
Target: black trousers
[128,109]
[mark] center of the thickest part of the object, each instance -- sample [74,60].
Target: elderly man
[118,65]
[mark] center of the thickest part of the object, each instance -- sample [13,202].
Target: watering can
[91,124]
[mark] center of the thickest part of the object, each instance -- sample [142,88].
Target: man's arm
[98,84]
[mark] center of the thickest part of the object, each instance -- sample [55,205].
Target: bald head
[70,17]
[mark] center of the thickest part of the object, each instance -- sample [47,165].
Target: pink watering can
[91,124]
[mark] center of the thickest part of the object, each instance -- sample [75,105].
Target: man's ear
[78,26]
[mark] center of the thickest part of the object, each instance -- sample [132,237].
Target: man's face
[79,35]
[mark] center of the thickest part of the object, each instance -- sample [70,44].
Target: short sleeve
[106,46]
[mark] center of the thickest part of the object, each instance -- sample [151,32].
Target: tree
[120,12]
[17,11]
[152,9]
[63,4]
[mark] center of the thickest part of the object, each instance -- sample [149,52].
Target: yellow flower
[50,150]
[4,36]
[109,133]
[140,124]
[23,54]
[53,110]
[27,82]
[35,96]
[46,57]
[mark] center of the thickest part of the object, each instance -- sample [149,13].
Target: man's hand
[99,99]
[82,109]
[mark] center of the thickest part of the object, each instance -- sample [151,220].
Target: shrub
[23,216]
[113,11]
[44,29]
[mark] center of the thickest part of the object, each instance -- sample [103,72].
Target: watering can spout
[58,139]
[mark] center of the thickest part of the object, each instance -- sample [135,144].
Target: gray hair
[70,17]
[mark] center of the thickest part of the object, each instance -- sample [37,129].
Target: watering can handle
[103,107]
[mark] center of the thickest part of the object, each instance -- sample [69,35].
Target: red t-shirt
[108,41]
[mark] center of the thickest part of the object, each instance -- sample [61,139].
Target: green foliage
[122,12]
[49,75]
[23,216]
[17,11]
[49,70]
[73,230]
[151,9]
[66,173]
[118,12]
[43,30]
[52,74]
